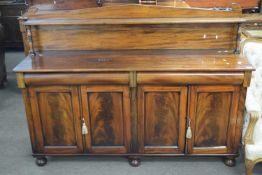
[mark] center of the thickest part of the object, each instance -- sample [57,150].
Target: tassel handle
[189,131]
[84,127]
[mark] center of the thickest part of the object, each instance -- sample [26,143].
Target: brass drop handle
[84,127]
[189,131]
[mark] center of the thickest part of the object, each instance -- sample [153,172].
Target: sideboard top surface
[134,60]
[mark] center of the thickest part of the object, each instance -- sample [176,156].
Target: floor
[15,150]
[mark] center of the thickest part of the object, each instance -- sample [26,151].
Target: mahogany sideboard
[133,80]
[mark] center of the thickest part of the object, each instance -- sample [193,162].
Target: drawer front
[190,78]
[76,78]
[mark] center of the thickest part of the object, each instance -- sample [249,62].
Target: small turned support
[41,161]
[134,161]
[230,161]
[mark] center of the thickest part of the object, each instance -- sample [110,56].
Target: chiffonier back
[131,27]
[78,4]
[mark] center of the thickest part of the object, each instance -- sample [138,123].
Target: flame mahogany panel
[161,119]
[213,116]
[56,116]
[106,110]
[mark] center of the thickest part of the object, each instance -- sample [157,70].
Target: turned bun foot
[134,162]
[41,161]
[231,162]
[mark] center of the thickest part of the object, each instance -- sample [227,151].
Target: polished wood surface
[190,36]
[56,117]
[132,11]
[106,109]
[133,80]
[134,21]
[76,78]
[213,114]
[111,27]
[78,4]
[190,78]
[161,119]
[155,60]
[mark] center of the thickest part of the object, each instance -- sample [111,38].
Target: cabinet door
[161,119]
[212,114]
[106,111]
[57,121]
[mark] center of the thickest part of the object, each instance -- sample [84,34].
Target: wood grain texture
[132,73]
[106,117]
[213,116]
[106,110]
[46,4]
[240,118]
[20,80]
[212,119]
[190,78]
[131,11]
[76,78]
[161,119]
[177,36]
[247,78]
[24,36]
[128,60]
[133,21]
[56,116]
[134,120]
[29,117]
[222,3]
